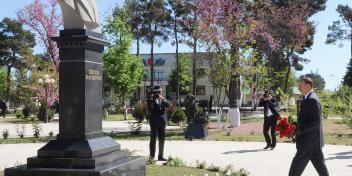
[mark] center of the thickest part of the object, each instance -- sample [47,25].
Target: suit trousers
[302,158]
[270,123]
[157,129]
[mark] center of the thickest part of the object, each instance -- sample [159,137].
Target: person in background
[157,107]
[3,108]
[270,118]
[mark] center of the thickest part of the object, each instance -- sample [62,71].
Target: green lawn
[155,170]
[334,131]
[10,118]
[118,117]
[25,140]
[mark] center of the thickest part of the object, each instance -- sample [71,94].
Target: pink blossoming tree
[44,19]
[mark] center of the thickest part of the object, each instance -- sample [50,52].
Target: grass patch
[155,170]
[26,140]
[174,135]
[11,119]
[118,117]
[335,133]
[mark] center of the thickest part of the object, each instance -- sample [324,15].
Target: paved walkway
[248,155]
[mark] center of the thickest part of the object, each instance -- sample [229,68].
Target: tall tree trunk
[288,70]
[152,65]
[177,62]
[152,55]
[8,86]
[195,40]
[194,64]
[234,90]
[139,89]
[124,109]
[137,46]
[51,52]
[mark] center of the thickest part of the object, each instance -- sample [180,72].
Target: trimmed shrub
[20,130]
[139,111]
[178,116]
[19,113]
[28,110]
[175,162]
[44,111]
[201,165]
[51,134]
[36,128]
[105,113]
[5,133]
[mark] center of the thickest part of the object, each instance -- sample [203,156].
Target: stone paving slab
[248,155]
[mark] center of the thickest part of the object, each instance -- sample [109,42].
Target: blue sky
[329,60]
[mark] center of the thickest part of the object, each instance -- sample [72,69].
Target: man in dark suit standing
[157,107]
[3,108]
[270,118]
[309,136]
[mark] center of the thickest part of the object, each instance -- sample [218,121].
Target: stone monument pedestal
[81,149]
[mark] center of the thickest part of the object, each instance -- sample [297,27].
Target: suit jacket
[269,104]
[3,106]
[157,111]
[310,124]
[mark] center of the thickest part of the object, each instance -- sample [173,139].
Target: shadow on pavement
[341,155]
[245,151]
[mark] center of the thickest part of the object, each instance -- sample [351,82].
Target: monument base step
[77,163]
[132,166]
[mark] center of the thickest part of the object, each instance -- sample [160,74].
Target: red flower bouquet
[286,127]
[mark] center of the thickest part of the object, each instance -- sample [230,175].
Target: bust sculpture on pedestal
[80,14]
[80,148]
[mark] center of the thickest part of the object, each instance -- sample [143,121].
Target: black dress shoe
[160,158]
[272,146]
[266,147]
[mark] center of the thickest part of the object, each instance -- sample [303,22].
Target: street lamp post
[46,82]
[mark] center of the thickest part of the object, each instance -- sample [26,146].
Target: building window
[158,74]
[200,90]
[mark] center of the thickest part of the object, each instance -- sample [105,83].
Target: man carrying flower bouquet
[270,118]
[309,134]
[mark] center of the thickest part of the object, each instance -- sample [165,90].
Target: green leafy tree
[341,30]
[23,91]
[15,46]
[347,79]
[2,82]
[123,70]
[155,27]
[135,10]
[185,76]
[190,18]
[219,76]
[178,10]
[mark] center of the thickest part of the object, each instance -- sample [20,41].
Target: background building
[163,65]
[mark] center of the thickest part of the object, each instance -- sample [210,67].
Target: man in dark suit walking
[270,118]
[157,107]
[309,136]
